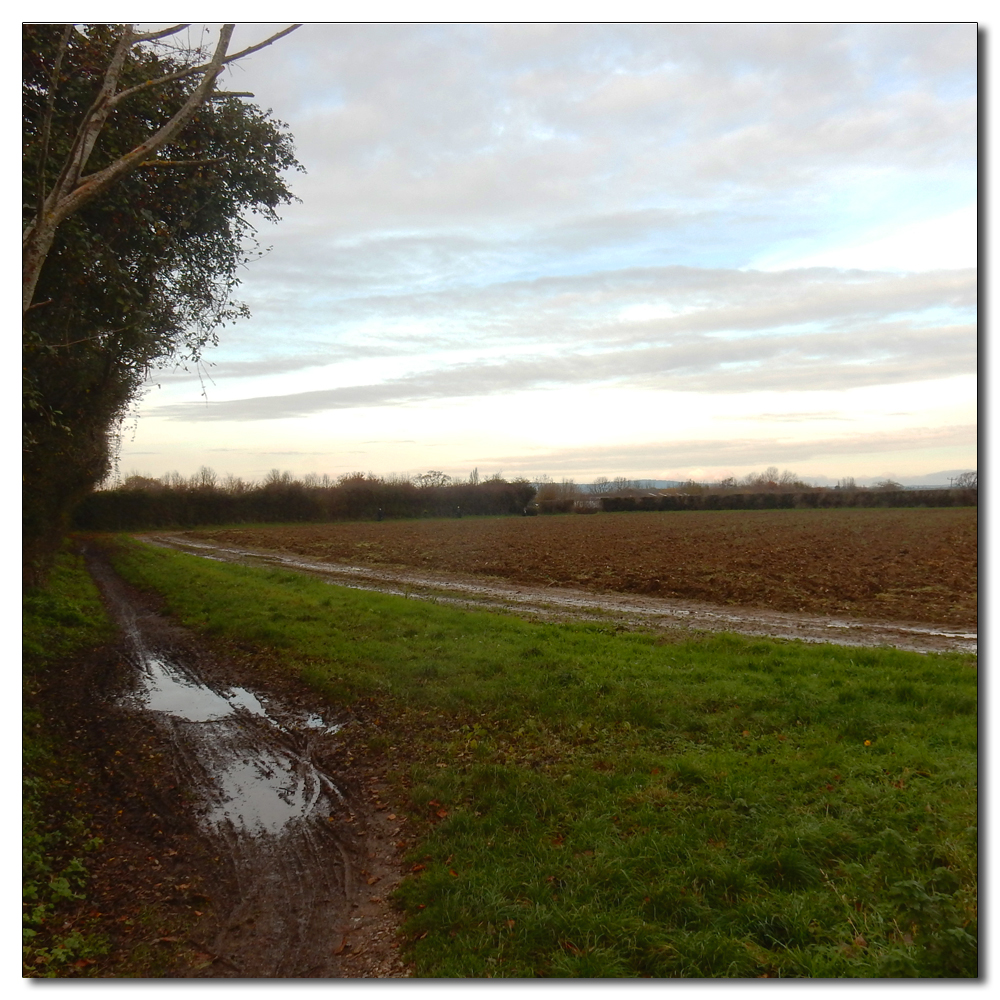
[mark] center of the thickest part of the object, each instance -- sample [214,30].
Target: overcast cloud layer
[720,224]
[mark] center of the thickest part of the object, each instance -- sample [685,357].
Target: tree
[427,480]
[139,184]
[566,491]
[968,480]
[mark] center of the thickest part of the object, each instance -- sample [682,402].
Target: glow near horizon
[495,285]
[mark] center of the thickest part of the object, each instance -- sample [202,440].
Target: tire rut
[292,840]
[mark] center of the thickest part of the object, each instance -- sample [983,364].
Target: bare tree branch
[190,71]
[93,184]
[152,36]
[183,163]
[72,188]
[49,110]
[263,44]
[91,124]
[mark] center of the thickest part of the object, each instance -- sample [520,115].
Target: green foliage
[64,618]
[609,804]
[143,273]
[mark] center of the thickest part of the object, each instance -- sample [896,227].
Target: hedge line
[135,509]
[787,501]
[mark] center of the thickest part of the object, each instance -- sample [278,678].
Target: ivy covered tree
[141,186]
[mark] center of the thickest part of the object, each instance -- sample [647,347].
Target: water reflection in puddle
[229,737]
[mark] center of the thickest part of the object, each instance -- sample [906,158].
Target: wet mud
[296,843]
[628,610]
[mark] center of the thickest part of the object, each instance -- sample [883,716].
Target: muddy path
[629,610]
[287,837]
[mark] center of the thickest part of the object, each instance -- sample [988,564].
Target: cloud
[424,125]
[549,327]
[733,452]
[491,209]
[210,372]
[879,354]
[589,306]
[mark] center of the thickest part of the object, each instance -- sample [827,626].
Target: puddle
[249,783]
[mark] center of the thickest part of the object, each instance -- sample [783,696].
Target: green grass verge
[611,804]
[60,620]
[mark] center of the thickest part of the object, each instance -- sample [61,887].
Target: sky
[659,251]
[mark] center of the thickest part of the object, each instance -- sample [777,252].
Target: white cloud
[537,216]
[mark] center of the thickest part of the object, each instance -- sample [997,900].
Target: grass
[599,804]
[63,619]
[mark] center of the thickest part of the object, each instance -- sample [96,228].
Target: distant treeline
[773,501]
[142,503]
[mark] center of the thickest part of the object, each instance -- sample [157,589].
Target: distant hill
[931,479]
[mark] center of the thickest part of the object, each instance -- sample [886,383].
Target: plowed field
[896,564]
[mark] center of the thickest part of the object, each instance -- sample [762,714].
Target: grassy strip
[611,805]
[64,618]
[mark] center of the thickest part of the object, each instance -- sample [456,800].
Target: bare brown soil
[900,565]
[629,611]
[182,898]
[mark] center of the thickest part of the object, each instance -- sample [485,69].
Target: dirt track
[632,611]
[279,829]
